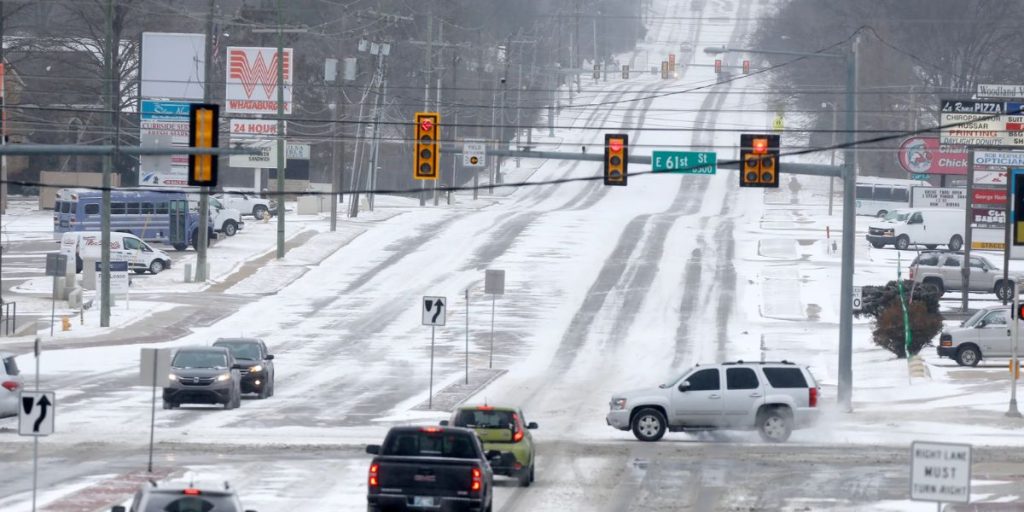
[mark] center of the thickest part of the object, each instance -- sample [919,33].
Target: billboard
[173,65]
[163,123]
[260,134]
[252,80]
[925,155]
[935,197]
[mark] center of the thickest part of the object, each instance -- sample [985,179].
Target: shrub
[882,303]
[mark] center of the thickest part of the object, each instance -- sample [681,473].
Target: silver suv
[941,271]
[986,334]
[183,497]
[771,397]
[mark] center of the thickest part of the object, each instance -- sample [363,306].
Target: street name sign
[940,472]
[684,162]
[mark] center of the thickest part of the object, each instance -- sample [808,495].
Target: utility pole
[202,241]
[426,83]
[280,133]
[437,104]
[577,52]
[108,163]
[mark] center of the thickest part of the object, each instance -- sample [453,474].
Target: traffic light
[759,160]
[597,71]
[203,122]
[746,67]
[616,159]
[1019,311]
[426,146]
[718,66]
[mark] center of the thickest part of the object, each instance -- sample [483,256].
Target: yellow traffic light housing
[759,160]
[616,159]
[427,148]
[203,132]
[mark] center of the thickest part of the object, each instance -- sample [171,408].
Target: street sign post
[494,284]
[684,162]
[940,472]
[154,371]
[474,153]
[435,310]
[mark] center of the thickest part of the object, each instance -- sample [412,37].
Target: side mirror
[270,357]
[980,324]
[117,508]
[373,449]
[684,386]
[444,423]
[531,425]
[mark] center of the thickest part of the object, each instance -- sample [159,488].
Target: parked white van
[141,257]
[930,227]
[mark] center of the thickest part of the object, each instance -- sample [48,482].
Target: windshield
[177,503]
[476,418]
[241,349]
[676,379]
[975,318]
[199,359]
[430,444]
[896,216]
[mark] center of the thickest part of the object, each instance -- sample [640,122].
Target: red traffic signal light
[746,67]
[616,159]
[718,66]
[759,160]
[426,146]
[1019,314]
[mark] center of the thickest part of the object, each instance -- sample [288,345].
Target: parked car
[183,497]
[247,202]
[141,257]
[771,397]
[204,375]
[225,220]
[506,430]
[433,468]
[256,361]
[930,227]
[10,385]
[986,334]
[941,270]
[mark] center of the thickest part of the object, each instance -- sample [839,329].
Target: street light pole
[280,134]
[832,180]
[845,391]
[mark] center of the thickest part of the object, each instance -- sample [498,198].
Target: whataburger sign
[252,80]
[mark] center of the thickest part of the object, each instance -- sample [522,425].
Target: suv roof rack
[758,362]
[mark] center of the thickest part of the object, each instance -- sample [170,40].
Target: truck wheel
[774,425]
[968,355]
[903,242]
[180,246]
[156,267]
[649,425]
[195,239]
[259,211]
[1004,290]
[934,284]
[524,477]
[956,243]
[881,213]
[230,228]
[877,245]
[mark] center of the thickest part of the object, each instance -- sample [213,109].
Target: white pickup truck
[225,220]
[247,202]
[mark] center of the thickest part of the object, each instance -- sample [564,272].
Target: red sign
[989,196]
[924,155]
[988,217]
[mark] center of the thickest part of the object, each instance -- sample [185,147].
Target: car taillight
[192,492]
[517,433]
[812,397]
[477,480]
[374,468]
[517,436]
[10,385]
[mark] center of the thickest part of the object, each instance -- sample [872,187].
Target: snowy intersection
[607,289]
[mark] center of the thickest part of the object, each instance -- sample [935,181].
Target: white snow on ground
[786,307]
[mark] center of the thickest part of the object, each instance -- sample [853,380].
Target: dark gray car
[204,375]
[257,364]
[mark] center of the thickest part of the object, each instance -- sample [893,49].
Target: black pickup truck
[430,468]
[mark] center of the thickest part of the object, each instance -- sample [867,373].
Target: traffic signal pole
[845,391]
[202,242]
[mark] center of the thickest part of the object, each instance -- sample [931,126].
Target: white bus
[878,196]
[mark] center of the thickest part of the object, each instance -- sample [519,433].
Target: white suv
[247,202]
[771,397]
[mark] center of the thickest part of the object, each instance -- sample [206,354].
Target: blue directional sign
[684,162]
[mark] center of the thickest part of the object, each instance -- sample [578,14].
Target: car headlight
[223,377]
[172,376]
[256,369]
[618,404]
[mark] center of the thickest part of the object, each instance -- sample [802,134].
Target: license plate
[424,501]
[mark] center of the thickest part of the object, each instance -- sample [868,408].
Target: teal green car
[503,429]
